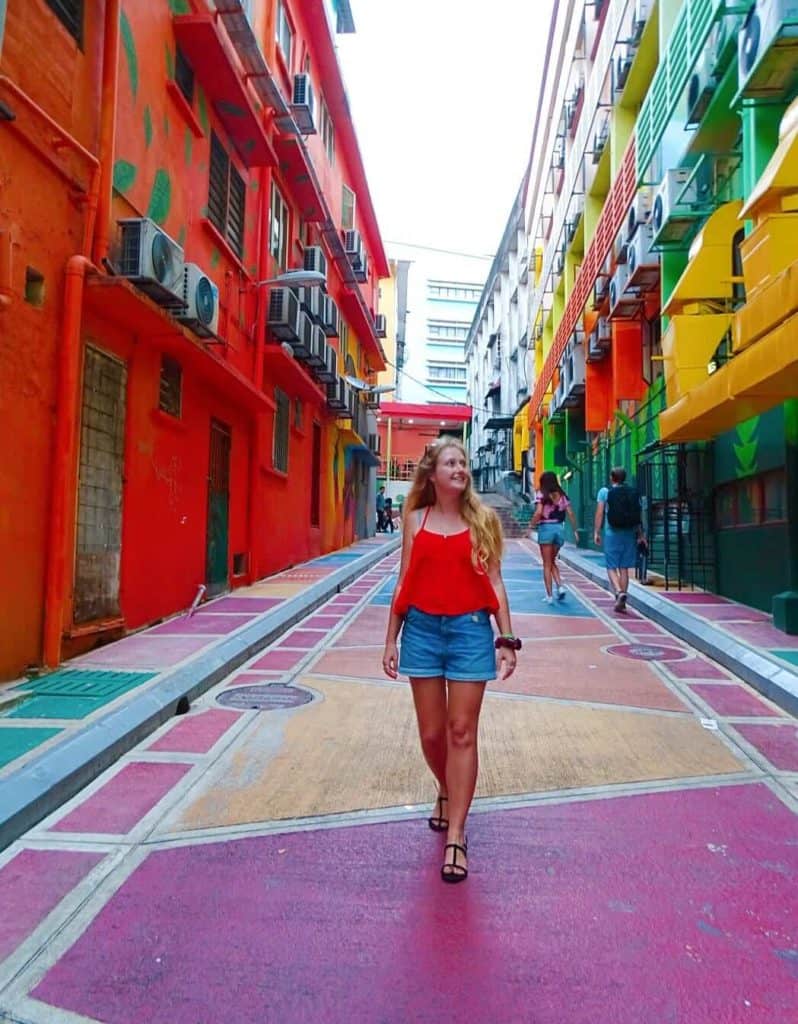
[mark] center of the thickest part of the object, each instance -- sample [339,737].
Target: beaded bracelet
[507,640]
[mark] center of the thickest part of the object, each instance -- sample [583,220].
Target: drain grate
[271,697]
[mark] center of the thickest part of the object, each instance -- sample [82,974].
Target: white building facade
[437,295]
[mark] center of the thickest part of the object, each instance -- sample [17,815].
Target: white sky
[443,95]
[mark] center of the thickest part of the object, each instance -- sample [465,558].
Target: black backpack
[623,507]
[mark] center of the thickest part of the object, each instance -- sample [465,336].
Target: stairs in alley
[514,518]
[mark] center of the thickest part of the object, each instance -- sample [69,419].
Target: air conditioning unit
[619,246]
[642,12]
[338,395]
[643,261]
[639,211]
[329,317]
[600,340]
[675,216]
[284,316]
[601,289]
[303,106]
[555,405]
[329,372]
[600,141]
[201,298]
[768,49]
[380,325]
[621,69]
[310,299]
[574,378]
[302,344]
[537,333]
[624,302]
[152,261]
[700,89]
[353,247]
[558,264]
[318,348]
[314,259]
[570,230]
[558,159]
[362,272]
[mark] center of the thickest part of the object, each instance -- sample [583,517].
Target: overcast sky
[443,94]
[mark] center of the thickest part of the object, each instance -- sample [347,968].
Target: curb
[765,674]
[46,782]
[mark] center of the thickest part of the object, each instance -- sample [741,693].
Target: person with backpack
[618,511]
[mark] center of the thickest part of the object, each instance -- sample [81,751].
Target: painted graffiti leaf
[160,197]
[147,127]
[179,7]
[130,52]
[124,175]
[170,62]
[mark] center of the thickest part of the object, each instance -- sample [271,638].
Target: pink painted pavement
[779,743]
[145,651]
[123,801]
[734,700]
[202,622]
[643,628]
[669,907]
[729,613]
[32,884]
[325,621]
[196,733]
[302,638]
[248,605]
[254,678]
[278,660]
[696,668]
[690,597]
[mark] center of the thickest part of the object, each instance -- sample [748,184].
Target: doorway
[218,530]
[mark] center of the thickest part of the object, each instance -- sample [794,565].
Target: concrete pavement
[633,847]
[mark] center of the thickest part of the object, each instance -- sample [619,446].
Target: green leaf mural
[124,175]
[170,62]
[179,7]
[147,127]
[160,197]
[216,257]
[202,111]
[746,453]
[188,143]
[129,46]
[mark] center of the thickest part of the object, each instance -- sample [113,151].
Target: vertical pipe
[388,458]
[108,105]
[2,24]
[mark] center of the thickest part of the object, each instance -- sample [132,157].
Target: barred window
[327,131]
[184,76]
[278,244]
[170,398]
[226,197]
[70,14]
[281,423]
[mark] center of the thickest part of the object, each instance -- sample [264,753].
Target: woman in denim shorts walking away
[552,506]
[449,586]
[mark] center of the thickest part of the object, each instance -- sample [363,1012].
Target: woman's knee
[433,736]
[462,732]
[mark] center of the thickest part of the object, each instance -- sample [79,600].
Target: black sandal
[437,822]
[451,870]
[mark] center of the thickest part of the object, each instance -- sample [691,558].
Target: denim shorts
[620,549]
[457,647]
[551,533]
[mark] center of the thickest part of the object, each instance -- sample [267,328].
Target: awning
[780,177]
[291,374]
[203,42]
[295,168]
[499,423]
[708,273]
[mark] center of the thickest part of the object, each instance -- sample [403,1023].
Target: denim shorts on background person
[620,549]
[551,533]
[458,647]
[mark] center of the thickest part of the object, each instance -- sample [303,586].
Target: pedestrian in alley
[381,510]
[551,508]
[618,511]
[449,586]
[388,516]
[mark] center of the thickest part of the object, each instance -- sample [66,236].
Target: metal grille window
[184,76]
[278,244]
[226,197]
[347,208]
[70,14]
[281,421]
[327,131]
[170,398]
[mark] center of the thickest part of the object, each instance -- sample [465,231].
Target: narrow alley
[265,857]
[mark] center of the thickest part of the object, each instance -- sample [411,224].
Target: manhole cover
[647,652]
[272,697]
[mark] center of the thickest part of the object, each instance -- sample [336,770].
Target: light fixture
[298,278]
[409,421]
[287,349]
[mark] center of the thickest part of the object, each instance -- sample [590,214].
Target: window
[454,290]
[226,197]
[284,33]
[70,14]
[281,418]
[652,350]
[327,131]
[348,199]
[184,76]
[447,330]
[170,398]
[754,501]
[343,340]
[278,232]
[447,374]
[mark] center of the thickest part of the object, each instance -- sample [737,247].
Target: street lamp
[298,278]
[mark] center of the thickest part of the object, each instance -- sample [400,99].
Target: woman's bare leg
[547,554]
[555,569]
[462,763]
[429,697]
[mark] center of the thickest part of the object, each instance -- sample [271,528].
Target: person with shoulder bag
[618,512]
[449,586]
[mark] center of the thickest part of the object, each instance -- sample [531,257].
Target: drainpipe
[2,24]
[97,228]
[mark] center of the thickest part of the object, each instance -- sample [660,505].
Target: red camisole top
[441,578]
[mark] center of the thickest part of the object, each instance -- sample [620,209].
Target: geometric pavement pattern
[633,846]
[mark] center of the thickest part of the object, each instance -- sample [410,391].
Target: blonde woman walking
[449,586]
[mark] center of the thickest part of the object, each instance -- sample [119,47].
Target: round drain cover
[272,697]
[647,652]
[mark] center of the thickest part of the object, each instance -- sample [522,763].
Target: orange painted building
[169,421]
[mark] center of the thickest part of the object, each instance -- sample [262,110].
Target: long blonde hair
[487,540]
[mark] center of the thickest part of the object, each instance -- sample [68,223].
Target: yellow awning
[687,347]
[709,270]
[780,177]
[760,378]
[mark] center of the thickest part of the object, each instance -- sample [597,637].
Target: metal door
[217,548]
[98,542]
